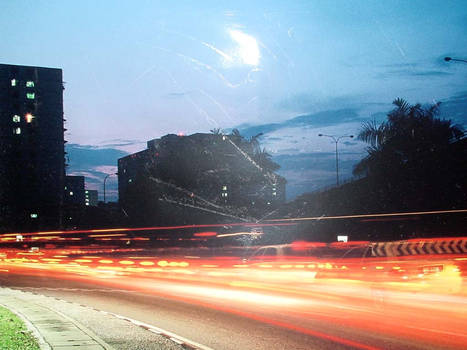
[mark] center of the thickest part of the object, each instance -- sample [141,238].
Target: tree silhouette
[216,131]
[410,135]
[408,157]
[263,159]
[254,143]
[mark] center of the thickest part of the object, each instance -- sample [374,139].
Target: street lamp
[105,179]
[447,59]
[336,140]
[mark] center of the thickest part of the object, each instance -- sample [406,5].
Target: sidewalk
[53,329]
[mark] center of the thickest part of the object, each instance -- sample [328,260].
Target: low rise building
[197,178]
[74,190]
[91,198]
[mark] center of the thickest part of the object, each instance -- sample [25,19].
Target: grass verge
[14,334]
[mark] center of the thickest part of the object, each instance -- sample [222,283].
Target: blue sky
[139,70]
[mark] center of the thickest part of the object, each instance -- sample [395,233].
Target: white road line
[177,341]
[174,337]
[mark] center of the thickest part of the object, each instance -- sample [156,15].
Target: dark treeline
[415,161]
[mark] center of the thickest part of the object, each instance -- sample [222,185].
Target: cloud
[431,67]
[455,108]
[435,68]
[178,94]
[349,143]
[120,144]
[310,103]
[90,176]
[315,120]
[106,169]
[274,139]
[418,73]
[90,156]
[308,172]
[94,163]
[462,95]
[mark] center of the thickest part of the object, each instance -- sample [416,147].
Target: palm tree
[263,159]
[411,134]
[253,149]
[254,143]
[216,131]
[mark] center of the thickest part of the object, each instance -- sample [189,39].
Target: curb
[43,343]
[179,340]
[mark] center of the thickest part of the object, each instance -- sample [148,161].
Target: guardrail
[454,245]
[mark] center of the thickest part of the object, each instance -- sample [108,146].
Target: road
[223,305]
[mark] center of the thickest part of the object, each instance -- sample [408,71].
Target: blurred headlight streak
[413,297]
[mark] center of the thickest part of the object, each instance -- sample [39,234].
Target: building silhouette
[197,178]
[91,198]
[74,191]
[32,165]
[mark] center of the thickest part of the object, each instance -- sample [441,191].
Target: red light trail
[369,294]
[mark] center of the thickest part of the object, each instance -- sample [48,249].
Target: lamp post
[105,179]
[336,140]
[447,59]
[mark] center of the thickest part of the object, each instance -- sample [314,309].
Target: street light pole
[336,141]
[105,179]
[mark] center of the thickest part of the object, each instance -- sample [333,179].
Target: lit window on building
[224,194]
[71,193]
[29,84]
[29,117]
[13,82]
[34,215]
[31,95]
[16,131]
[16,118]
[224,188]
[274,193]
[87,203]
[130,180]
[86,191]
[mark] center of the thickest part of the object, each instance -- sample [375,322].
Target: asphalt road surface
[220,317]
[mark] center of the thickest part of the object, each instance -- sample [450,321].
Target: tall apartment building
[32,165]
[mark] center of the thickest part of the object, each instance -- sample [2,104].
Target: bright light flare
[248,49]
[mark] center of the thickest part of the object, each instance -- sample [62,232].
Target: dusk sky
[137,70]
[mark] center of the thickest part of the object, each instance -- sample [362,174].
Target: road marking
[177,341]
[172,336]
